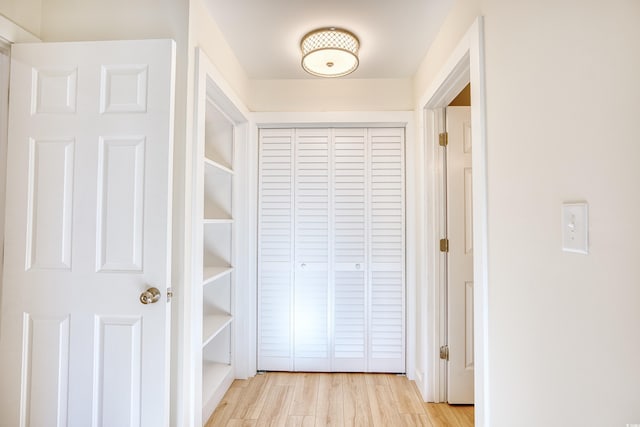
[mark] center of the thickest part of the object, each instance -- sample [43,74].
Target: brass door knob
[150,296]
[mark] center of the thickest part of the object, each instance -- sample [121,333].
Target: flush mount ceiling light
[329,52]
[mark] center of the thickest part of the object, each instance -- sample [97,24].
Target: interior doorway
[465,65]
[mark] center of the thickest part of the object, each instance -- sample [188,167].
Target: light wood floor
[316,399]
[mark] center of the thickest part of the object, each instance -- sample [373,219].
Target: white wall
[462,15]
[331,95]
[72,20]
[563,327]
[206,35]
[25,13]
[562,108]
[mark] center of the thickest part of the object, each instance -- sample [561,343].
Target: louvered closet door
[275,251]
[312,239]
[350,294]
[386,251]
[331,250]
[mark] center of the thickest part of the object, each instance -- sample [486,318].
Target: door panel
[312,241]
[460,258]
[386,311]
[349,252]
[88,230]
[275,251]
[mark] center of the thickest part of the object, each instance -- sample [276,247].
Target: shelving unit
[219,224]
[215,239]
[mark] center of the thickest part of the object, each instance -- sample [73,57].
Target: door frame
[465,65]
[369,119]
[9,33]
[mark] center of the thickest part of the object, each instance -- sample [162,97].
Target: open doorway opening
[457,228]
[465,65]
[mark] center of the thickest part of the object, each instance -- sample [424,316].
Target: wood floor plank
[383,412]
[375,379]
[240,423]
[251,397]
[442,414]
[305,395]
[301,421]
[330,406]
[357,412]
[406,398]
[276,407]
[320,400]
[415,420]
[224,410]
[463,414]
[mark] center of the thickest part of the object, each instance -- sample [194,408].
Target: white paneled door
[88,233]
[331,250]
[460,257]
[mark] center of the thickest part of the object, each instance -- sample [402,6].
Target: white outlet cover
[575,228]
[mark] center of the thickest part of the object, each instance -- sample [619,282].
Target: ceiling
[265,34]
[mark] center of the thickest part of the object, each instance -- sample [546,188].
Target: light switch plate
[575,227]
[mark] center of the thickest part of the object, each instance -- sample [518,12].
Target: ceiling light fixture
[330,52]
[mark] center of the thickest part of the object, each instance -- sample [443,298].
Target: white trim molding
[465,65]
[13,33]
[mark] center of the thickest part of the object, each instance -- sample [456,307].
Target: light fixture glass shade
[329,52]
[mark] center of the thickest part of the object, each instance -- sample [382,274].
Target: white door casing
[460,290]
[4,113]
[88,230]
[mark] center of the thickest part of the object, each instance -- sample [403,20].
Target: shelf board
[217,221]
[211,274]
[216,380]
[212,325]
[212,163]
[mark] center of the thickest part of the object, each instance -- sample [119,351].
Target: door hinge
[443,139]
[169,294]
[444,245]
[444,352]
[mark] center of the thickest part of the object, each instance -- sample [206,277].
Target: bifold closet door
[349,255]
[331,250]
[276,250]
[386,251]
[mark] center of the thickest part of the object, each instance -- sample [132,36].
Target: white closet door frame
[413,204]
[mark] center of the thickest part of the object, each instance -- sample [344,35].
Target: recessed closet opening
[331,250]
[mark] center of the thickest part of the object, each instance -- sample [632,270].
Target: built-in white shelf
[211,274]
[213,164]
[216,379]
[215,238]
[212,325]
[210,221]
